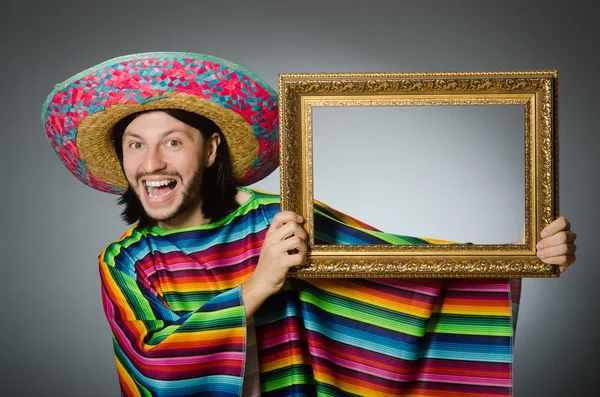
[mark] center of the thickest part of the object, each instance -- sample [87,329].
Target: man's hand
[284,247]
[557,245]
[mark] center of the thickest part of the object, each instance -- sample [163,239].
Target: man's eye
[173,143]
[135,145]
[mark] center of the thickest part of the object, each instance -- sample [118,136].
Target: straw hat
[80,113]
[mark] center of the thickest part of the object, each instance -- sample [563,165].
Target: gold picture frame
[536,90]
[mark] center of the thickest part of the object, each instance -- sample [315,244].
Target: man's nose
[154,161]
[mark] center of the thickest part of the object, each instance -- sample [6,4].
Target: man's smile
[159,188]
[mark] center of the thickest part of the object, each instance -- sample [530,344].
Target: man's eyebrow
[162,136]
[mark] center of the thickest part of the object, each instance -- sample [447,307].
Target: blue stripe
[211,385]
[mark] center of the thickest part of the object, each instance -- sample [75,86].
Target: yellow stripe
[181,286]
[283,362]
[437,241]
[476,310]
[348,387]
[207,336]
[360,295]
[129,315]
[122,372]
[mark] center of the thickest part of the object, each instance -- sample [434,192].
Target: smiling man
[196,293]
[161,161]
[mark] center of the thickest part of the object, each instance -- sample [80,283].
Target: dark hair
[217,188]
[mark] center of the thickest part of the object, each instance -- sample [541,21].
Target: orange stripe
[350,385]
[374,297]
[293,359]
[202,339]
[121,306]
[192,284]
[126,382]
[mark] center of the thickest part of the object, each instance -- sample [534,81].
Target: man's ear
[210,153]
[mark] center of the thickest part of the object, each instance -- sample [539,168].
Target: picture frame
[536,91]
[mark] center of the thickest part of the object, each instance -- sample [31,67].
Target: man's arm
[161,353]
[284,247]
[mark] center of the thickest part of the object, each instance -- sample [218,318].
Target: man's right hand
[284,247]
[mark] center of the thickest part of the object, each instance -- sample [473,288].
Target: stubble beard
[190,193]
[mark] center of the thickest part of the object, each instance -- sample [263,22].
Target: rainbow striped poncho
[173,301]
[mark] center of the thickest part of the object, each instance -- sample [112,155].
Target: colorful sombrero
[80,113]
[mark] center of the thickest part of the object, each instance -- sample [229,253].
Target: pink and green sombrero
[80,113]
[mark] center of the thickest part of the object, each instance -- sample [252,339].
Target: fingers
[283,255]
[294,243]
[294,251]
[557,251]
[562,260]
[557,245]
[285,227]
[286,243]
[282,218]
[563,237]
[559,224]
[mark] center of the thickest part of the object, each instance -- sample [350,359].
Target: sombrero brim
[80,113]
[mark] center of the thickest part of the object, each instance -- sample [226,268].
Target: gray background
[447,172]
[55,340]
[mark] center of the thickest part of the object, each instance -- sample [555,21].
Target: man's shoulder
[264,197]
[119,251]
[268,203]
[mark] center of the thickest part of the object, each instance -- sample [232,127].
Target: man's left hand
[557,245]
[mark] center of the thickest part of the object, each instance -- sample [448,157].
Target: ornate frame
[536,90]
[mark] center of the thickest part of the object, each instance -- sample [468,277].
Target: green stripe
[128,286]
[363,312]
[472,325]
[115,248]
[325,389]
[296,374]
[224,319]
[394,239]
[120,356]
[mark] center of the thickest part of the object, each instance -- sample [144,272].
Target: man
[196,293]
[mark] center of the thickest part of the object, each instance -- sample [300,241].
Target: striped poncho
[173,302]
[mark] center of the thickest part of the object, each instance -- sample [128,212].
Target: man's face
[164,161]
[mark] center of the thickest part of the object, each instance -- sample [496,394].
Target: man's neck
[191,217]
[195,216]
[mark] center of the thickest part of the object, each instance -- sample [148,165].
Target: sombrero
[80,113]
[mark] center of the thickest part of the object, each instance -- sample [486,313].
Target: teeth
[152,184]
[159,183]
